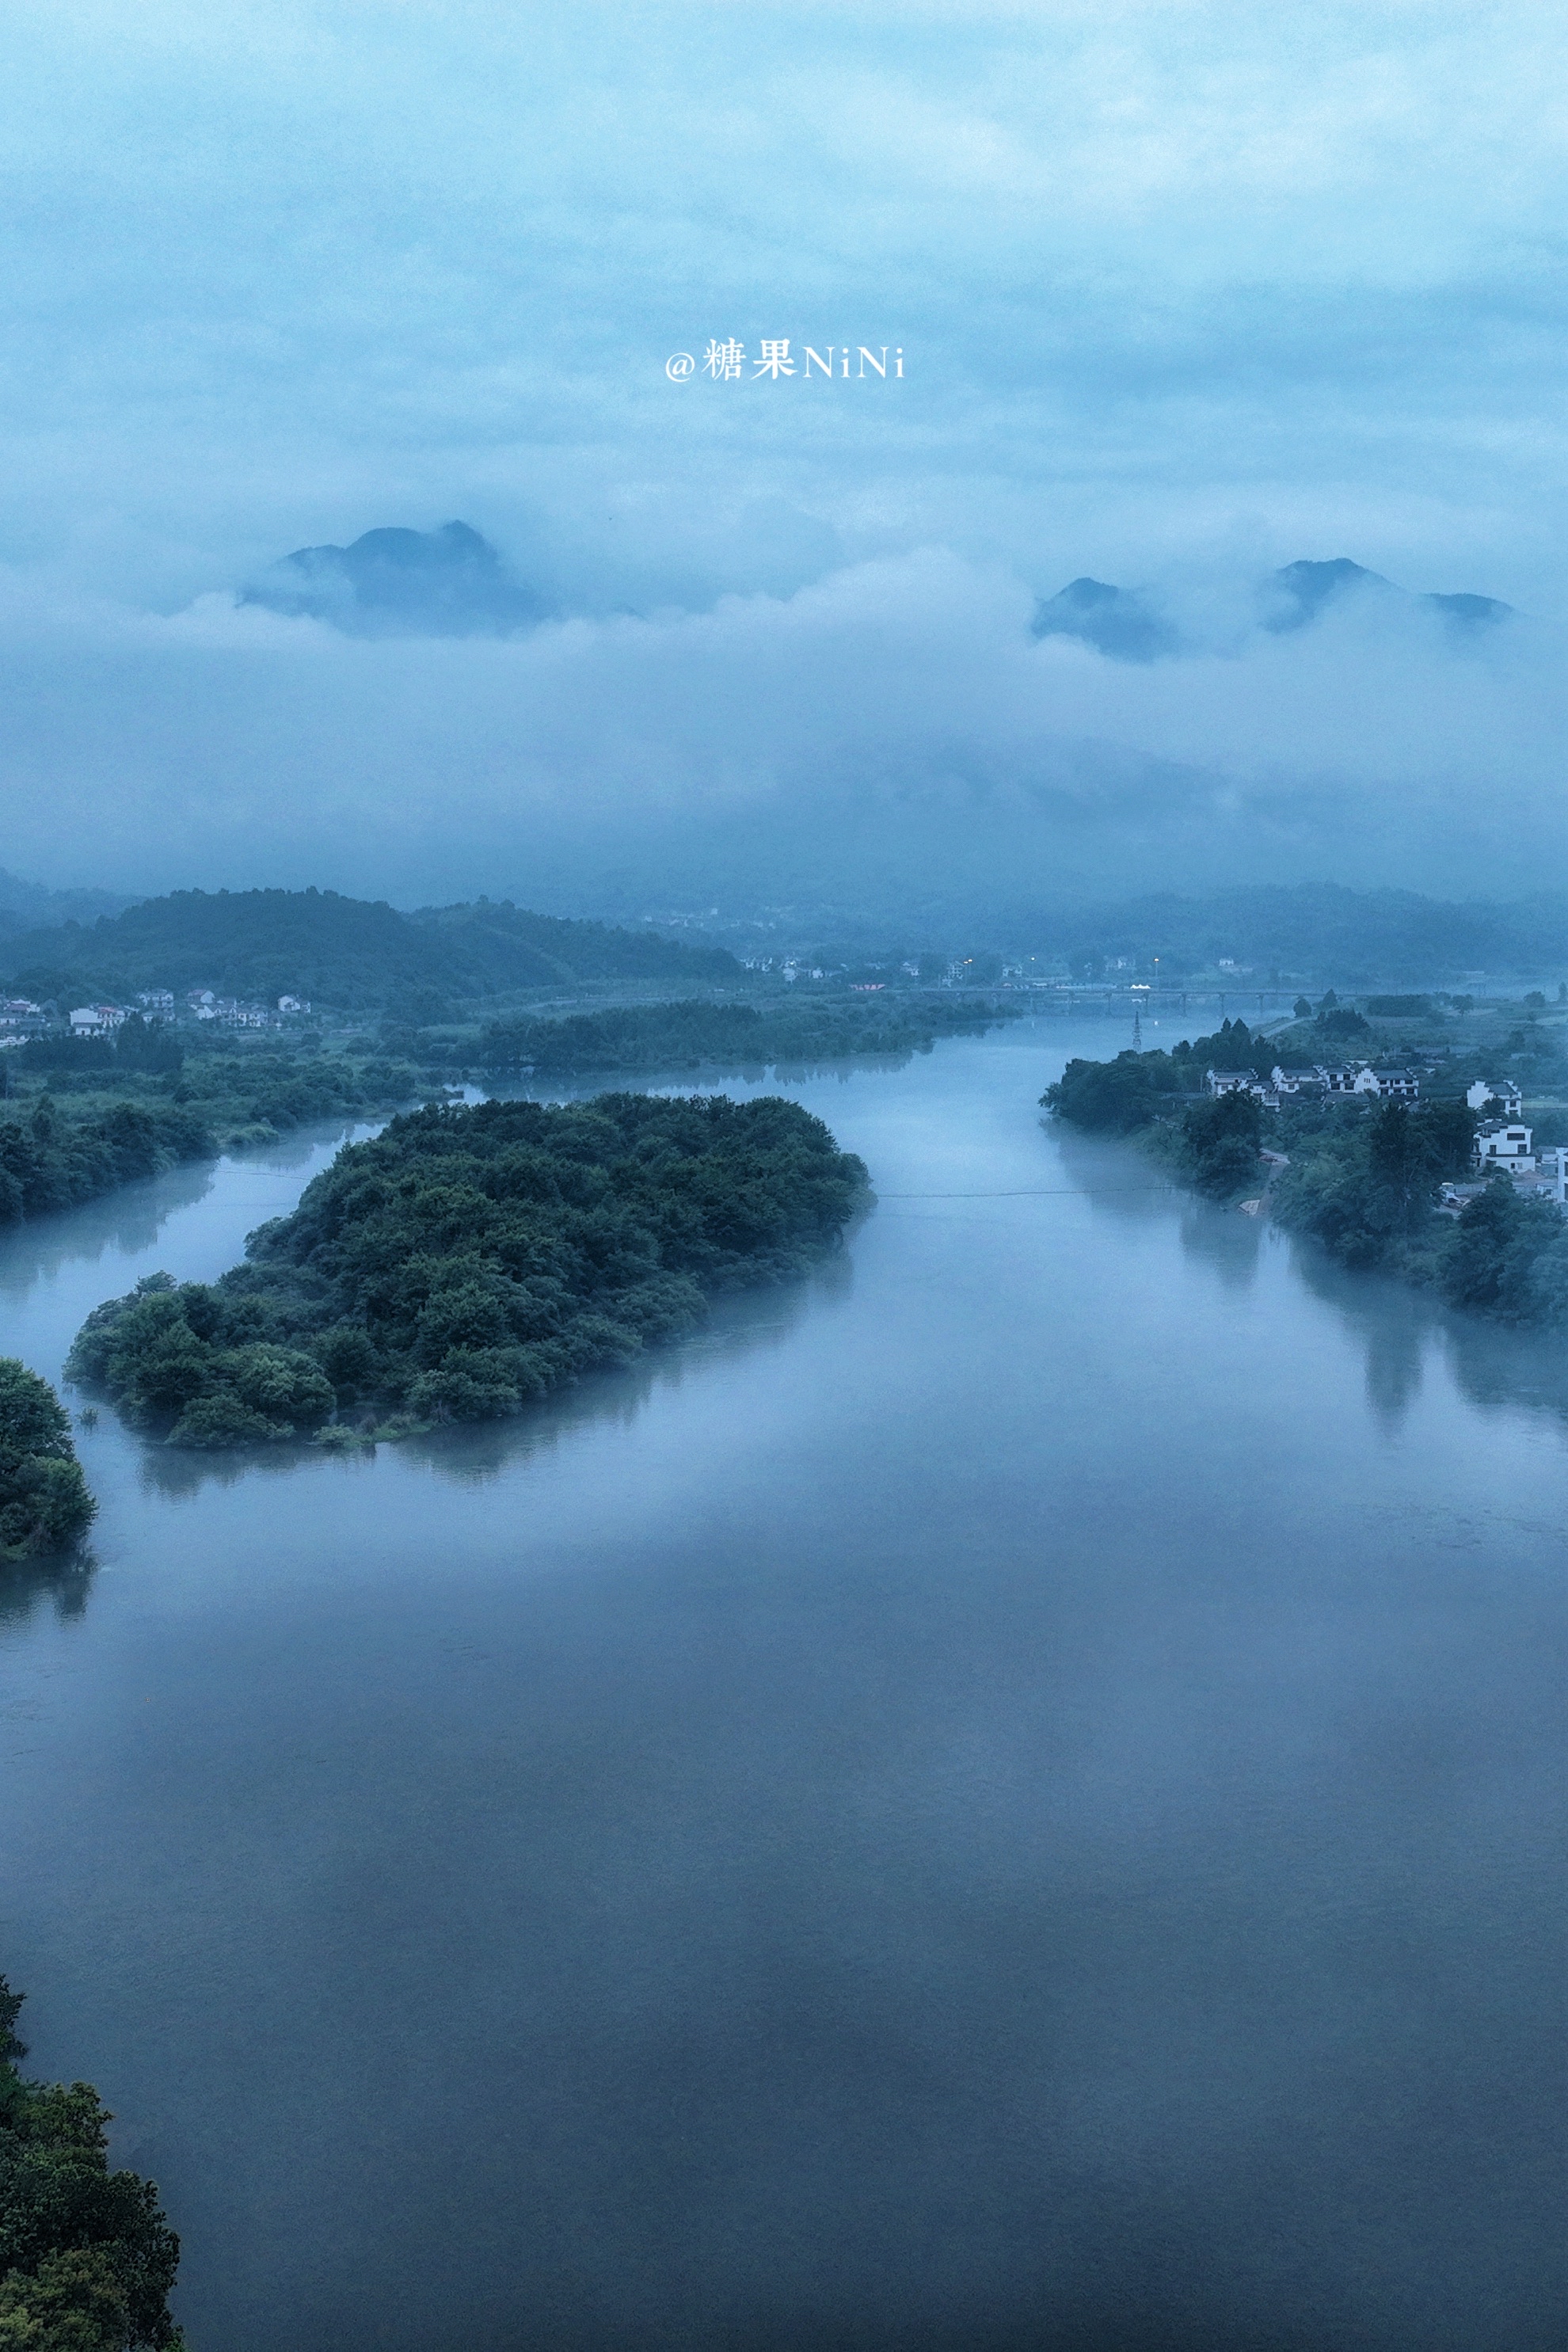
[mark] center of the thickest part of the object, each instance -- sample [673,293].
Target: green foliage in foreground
[87,2260]
[469,1259]
[729,1035]
[1219,1143]
[43,1502]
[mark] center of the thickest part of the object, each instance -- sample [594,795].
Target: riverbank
[1359,1174]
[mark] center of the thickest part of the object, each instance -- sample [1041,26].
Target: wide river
[1011,1795]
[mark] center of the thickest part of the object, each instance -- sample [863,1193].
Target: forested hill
[351,953]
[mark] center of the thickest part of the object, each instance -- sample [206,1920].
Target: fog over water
[1010,1794]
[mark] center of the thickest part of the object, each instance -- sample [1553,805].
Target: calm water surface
[1011,1795]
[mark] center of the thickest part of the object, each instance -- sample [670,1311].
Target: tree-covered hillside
[469,1259]
[351,954]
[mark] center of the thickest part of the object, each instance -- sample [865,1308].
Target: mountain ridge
[1129,624]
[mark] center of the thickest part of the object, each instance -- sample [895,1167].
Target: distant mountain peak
[1116,621]
[394,581]
[1301,592]
[1126,624]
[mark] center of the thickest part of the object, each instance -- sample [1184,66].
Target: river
[1011,1794]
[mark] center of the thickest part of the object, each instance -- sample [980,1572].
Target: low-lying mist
[890,736]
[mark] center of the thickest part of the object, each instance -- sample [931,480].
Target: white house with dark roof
[1502,1091]
[1504,1144]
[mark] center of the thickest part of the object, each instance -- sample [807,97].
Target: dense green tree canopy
[43,1502]
[470,1259]
[87,2259]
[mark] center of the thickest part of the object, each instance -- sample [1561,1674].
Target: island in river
[471,1258]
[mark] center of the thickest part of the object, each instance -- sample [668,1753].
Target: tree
[45,1505]
[87,2258]
[1301,1009]
[1107,1097]
[1221,1139]
[1491,1255]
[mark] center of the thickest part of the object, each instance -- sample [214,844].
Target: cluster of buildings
[1503,1146]
[1339,1079]
[20,1020]
[198,1003]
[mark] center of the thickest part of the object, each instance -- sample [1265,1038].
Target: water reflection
[1018,1743]
[695,1078]
[1122,1184]
[127,1221]
[1496,1365]
[1126,1188]
[27,1585]
[740,1326]
[1224,1241]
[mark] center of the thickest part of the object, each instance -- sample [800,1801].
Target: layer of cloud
[1164,272]
[889,731]
[1186,291]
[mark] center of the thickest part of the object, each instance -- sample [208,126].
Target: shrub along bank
[100,1122]
[730,1037]
[470,1259]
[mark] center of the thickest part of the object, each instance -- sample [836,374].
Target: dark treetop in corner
[87,2260]
[469,1259]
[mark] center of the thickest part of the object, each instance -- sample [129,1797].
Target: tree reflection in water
[475,1453]
[26,1584]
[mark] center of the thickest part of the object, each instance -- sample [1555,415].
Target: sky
[1183,293]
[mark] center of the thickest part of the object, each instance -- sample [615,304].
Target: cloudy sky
[1183,291]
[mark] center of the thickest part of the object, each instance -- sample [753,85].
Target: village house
[96,1020]
[1502,1091]
[1501,1144]
[1553,1163]
[1236,1082]
[1388,1085]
